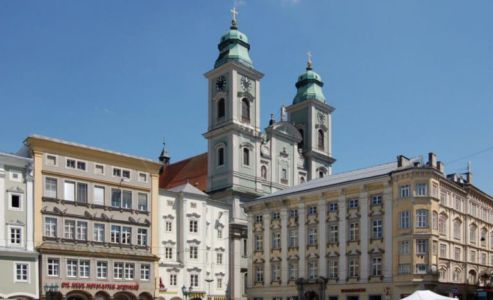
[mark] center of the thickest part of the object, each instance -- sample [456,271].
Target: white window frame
[18,173]
[45,190]
[142,174]
[28,272]
[21,201]
[47,159]
[145,272]
[96,195]
[98,236]
[55,267]
[50,228]
[101,269]
[21,238]
[103,169]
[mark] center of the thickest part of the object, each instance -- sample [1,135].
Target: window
[421,189]
[442,224]
[284,175]
[483,258]
[142,177]
[354,267]
[169,226]
[129,271]
[320,140]
[333,268]
[457,255]
[69,230]
[472,233]
[69,191]
[354,231]
[276,215]
[81,192]
[472,257]
[301,144]
[312,236]
[220,156]
[333,233]
[376,200]
[312,269]
[404,191]
[312,211]
[73,164]
[404,269]
[118,270]
[332,206]
[15,234]
[263,172]
[172,279]
[84,269]
[126,235]
[15,202]
[276,240]
[51,160]
[321,174]
[125,174]
[421,247]
[50,187]
[421,218]
[121,199]
[421,268]
[276,272]
[81,230]
[115,234]
[219,258]
[99,169]
[127,199]
[193,226]
[219,283]
[72,265]
[117,172]
[101,269]
[53,267]
[434,247]
[219,233]
[443,250]
[245,110]
[259,242]
[353,203]
[70,163]
[377,229]
[293,270]
[194,252]
[142,204]
[168,253]
[259,219]
[457,229]
[456,275]
[376,266]
[259,274]
[221,108]
[50,229]
[142,236]
[98,195]
[404,247]
[293,238]
[194,280]
[404,219]
[246,157]
[145,272]
[434,220]
[21,272]
[483,237]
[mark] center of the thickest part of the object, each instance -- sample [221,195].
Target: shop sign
[100,286]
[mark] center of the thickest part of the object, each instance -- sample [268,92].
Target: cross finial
[309,61]
[234,23]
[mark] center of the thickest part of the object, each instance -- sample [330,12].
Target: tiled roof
[192,170]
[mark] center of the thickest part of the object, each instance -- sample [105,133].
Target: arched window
[456,275]
[301,144]
[246,156]
[302,179]
[221,108]
[442,224]
[484,237]
[220,156]
[321,174]
[321,139]
[263,172]
[471,277]
[457,229]
[245,110]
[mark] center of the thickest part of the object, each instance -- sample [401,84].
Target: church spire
[309,84]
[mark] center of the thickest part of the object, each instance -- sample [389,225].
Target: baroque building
[18,259]
[375,233]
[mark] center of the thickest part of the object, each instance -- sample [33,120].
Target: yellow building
[375,233]
[94,215]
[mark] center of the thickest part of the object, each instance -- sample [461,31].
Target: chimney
[402,161]
[469,173]
[441,167]
[432,160]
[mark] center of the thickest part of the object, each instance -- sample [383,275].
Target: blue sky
[406,77]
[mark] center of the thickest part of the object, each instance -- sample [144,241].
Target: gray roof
[374,171]
[187,188]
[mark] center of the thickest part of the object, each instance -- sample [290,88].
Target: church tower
[234,116]
[311,116]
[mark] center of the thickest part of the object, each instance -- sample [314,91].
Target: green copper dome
[233,46]
[309,86]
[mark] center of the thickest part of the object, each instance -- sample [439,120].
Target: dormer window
[245,110]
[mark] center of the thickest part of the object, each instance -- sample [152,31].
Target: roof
[187,188]
[374,171]
[192,170]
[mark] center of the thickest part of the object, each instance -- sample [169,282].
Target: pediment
[287,130]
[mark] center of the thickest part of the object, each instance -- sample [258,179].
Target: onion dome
[309,85]
[234,46]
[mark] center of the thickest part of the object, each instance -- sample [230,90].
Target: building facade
[18,259]
[94,214]
[194,248]
[376,233]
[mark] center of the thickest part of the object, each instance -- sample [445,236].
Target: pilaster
[38,194]
[302,240]
[267,248]
[365,235]
[284,246]
[387,233]
[322,229]
[250,242]
[342,238]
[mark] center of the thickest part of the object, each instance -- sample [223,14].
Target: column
[301,240]
[322,237]
[2,206]
[342,238]
[365,234]
[250,241]
[284,246]
[267,247]
[387,233]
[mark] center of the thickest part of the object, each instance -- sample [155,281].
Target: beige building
[94,215]
[375,233]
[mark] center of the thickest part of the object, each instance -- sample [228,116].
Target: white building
[193,244]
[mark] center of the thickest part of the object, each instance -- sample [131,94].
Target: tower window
[246,156]
[221,108]
[301,144]
[320,139]
[220,156]
[320,174]
[263,172]
[245,110]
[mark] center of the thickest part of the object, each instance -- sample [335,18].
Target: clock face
[221,83]
[245,83]
[321,117]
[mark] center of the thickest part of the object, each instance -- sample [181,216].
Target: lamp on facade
[50,290]
[186,293]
